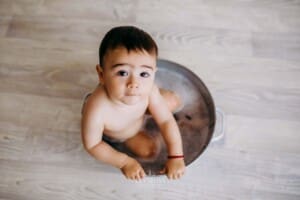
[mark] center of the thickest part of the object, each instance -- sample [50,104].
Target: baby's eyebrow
[118,65]
[127,64]
[147,66]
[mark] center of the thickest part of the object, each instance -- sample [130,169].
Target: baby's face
[128,77]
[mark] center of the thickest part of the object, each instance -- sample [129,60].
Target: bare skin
[117,108]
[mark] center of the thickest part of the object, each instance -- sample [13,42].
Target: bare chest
[124,120]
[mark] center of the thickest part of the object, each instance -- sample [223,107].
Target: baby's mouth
[132,95]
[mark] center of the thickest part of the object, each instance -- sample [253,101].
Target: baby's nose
[133,85]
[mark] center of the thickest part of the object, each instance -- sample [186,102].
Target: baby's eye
[122,73]
[145,74]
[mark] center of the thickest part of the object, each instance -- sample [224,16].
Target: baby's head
[127,64]
[129,37]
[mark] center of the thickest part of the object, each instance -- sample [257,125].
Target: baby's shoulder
[96,102]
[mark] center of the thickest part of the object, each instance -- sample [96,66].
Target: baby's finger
[182,173]
[128,176]
[170,175]
[142,174]
[137,177]
[133,176]
[174,175]
[178,175]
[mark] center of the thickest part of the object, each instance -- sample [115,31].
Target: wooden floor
[246,52]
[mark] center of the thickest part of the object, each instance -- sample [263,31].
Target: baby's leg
[172,99]
[142,145]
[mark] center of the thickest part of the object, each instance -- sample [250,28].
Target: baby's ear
[100,73]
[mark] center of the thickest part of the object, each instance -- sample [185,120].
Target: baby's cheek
[148,90]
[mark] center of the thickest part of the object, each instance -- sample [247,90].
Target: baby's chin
[131,100]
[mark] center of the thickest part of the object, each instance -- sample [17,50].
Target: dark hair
[130,37]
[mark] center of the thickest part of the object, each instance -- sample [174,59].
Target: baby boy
[116,109]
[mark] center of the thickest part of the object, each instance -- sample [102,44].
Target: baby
[116,109]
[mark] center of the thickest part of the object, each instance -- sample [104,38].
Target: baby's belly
[125,133]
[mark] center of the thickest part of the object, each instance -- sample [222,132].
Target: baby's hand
[174,168]
[133,170]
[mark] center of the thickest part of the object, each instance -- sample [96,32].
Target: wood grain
[246,52]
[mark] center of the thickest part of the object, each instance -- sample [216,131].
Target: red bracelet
[174,157]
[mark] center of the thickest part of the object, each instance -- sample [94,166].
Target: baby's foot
[173,100]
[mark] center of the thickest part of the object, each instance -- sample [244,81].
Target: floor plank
[246,52]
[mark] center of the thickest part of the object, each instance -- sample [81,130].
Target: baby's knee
[175,101]
[148,151]
[172,99]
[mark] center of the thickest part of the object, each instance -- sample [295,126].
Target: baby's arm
[92,130]
[170,131]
